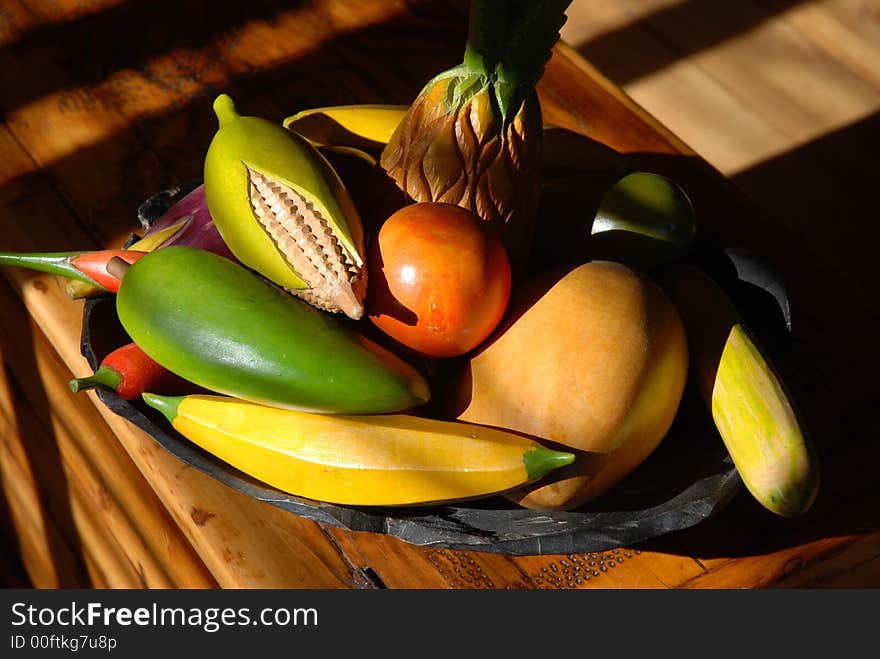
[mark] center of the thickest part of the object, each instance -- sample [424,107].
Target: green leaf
[510,43]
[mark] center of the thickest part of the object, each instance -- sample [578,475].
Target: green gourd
[646,221]
[640,219]
[750,405]
[223,327]
[284,212]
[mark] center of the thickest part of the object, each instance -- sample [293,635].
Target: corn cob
[284,212]
[335,280]
[472,137]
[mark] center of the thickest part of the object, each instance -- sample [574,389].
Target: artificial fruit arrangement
[502,331]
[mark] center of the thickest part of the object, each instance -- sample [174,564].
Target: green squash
[227,329]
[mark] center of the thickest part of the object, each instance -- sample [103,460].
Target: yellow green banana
[386,459]
[748,402]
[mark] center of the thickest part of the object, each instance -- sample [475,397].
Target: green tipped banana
[748,402]
[364,460]
[284,212]
[367,127]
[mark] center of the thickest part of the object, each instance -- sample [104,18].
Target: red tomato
[438,279]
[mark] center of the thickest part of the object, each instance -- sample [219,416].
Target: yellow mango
[592,358]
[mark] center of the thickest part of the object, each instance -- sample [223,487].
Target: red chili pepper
[129,371]
[94,265]
[89,266]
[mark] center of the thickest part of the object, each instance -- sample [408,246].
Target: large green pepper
[222,326]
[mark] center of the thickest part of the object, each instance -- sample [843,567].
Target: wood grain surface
[106,102]
[781,96]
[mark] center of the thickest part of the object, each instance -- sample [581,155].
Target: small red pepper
[88,266]
[129,371]
[94,265]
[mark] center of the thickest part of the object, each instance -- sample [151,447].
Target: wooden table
[105,103]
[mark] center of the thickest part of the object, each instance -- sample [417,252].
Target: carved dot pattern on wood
[460,569]
[580,570]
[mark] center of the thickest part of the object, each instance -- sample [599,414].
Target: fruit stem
[167,405]
[484,36]
[539,461]
[58,263]
[117,267]
[224,108]
[103,377]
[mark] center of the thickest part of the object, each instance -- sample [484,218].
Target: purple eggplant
[184,208]
[199,229]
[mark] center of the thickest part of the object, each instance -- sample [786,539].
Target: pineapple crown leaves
[509,43]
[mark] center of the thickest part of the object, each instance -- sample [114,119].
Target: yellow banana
[366,126]
[749,405]
[370,127]
[388,459]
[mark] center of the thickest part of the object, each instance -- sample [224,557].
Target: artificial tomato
[439,279]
